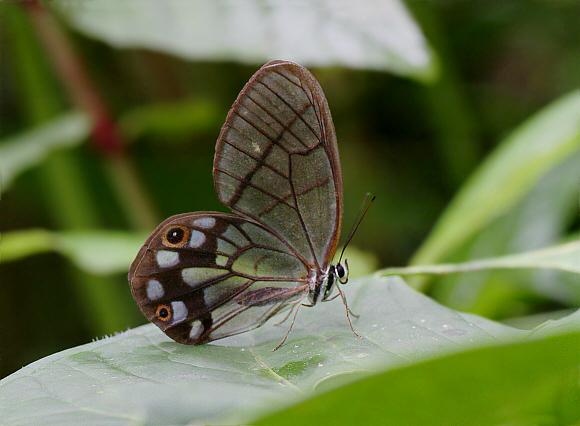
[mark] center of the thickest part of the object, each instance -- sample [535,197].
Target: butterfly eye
[342,272]
[176,236]
[163,312]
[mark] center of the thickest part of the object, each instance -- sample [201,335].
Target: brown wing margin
[277,160]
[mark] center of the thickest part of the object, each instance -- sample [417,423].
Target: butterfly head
[337,272]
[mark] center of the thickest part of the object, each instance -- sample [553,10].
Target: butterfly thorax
[323,283]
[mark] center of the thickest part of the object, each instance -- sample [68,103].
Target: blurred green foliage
[413,144]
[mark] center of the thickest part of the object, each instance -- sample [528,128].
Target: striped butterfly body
[203,276]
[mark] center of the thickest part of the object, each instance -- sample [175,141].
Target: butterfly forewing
[204,276]
[277,160]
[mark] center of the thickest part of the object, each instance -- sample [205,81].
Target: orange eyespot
[163,312]
[176,236]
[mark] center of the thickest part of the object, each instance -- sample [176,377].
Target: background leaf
[565,257]
[538,220]
[28,149]
[178,119]
[97,252]
[504,178]
[371,35]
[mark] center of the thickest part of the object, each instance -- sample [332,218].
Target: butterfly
[204,276]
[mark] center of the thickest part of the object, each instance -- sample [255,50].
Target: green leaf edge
[563,257]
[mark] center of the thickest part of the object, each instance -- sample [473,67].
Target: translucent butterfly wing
[277,160]
[226,275]
[203,276]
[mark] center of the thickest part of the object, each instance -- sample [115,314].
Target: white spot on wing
[196,329]
[154,290]
[166,258]
[179,311]
[204,222]
[197,239]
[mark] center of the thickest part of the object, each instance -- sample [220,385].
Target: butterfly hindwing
[277,160]
[204,276]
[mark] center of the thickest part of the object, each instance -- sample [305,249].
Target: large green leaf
[140,376]
[526,383]
[364,34]
[505,177]
[23,151]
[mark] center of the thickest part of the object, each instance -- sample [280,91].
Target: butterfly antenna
[361,214]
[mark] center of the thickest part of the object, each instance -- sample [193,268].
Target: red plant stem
[69,69]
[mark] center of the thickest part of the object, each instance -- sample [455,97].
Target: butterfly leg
[348,312]
[291,325]
[285,318]
[352,313]
[334,297]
